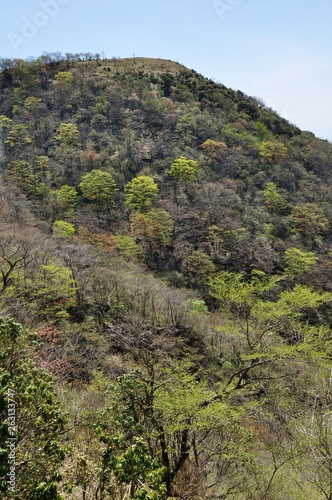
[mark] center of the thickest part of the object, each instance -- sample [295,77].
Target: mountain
[165,274]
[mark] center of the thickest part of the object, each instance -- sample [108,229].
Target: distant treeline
[50,57]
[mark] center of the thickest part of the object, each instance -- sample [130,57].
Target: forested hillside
[165,287]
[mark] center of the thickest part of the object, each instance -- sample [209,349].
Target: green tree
[274,201]
[41,167]
[184,170]
[310,220]
[298,262]
[18,137]
[63,230]
[5,122]
[68,135]
[153,230]
[67,195]
[98,186]
[140,192]
[315,436]
[266,329]
[64,78]
[33,103]
[127,247]
[262,131]
[272,152]
[159,417]
[20,173]
[52,294]
[31,419]
[197,268]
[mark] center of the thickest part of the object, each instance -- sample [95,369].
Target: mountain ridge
[166,247]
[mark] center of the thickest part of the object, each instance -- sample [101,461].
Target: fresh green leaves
[140,192]
[38,419]
[98,186]
[184,170]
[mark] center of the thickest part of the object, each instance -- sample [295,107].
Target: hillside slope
[168,241]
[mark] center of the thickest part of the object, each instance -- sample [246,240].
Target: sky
[277,50]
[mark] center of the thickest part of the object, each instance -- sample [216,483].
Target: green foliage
[315,441]
[232,290]
[98,186]
[64,78]
[63,230]
[298,262]
[272,152]
[197,268]
[222,404]
[32,103]
[18,137]
[197,306]
[259,318]
[127,247]
[21,174]
[261,131]
[184,170]
[42,163]
[149,429]
[274,201]
[53,292]
[310,220]
[237,136]
[68,135]
[36,421]
[67,195]
[5,122]
[140,192]
[153,229]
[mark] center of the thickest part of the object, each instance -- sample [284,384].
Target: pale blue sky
[277,50]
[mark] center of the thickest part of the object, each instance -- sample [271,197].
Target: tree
[127,247]
[272,152]
[18,251]
[214,149]
[68,135]
[4,122]
[197,268]
[20,172]
[315,436]
[18,137]
[41,167]
[266,329]
[31,451]
[298,262]
[310,220]
[140,192]
[184,170]
[63,230]
[162,414]
[153,230]
[32,103]
[98,186]
[274,201]
[52,293]
[67,195]
[64,79]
